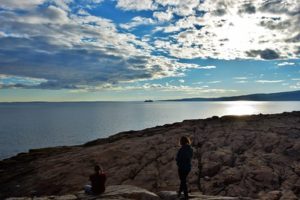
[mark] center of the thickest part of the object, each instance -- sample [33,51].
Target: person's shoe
[178,194]
[186,196]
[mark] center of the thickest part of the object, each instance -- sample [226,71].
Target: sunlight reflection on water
[26,126]
[242,107]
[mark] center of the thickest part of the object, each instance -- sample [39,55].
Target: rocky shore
[251,156]
[127,192]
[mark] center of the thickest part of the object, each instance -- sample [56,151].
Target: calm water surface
[24,126]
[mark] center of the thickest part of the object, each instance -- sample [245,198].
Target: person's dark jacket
[184,158]
[98,183]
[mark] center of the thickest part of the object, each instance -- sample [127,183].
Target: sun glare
[241,108]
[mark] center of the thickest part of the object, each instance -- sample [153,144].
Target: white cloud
[286,64]
[137,21]
[10,81]
[172,88]
[198,83]
[235,29]
[169,2]
[295,86]
[136,5]
[23,4]
[214,82]
[241,78]
[168,87]
[180,7]
[206,67]
[51,14]
[95,1]
[64,4]
[82,51]
[242,81]
[163,16]
[181,80]
[268,81]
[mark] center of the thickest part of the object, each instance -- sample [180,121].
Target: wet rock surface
[246,156]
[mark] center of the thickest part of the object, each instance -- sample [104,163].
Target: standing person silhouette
[97,182]
[183,160]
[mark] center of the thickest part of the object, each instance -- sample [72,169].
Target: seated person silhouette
[97,182]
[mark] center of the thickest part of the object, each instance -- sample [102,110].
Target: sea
[25,126]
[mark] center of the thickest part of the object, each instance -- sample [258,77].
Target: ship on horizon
[148,100]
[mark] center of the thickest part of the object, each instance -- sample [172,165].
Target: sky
[127,50]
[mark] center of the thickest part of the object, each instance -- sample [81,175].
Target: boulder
[129,191]
[172,195]
[167,195]
[288,195]
[52,197]
[111,192]
[272,195]
[210,168]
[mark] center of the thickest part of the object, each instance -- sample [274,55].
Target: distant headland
[279,96]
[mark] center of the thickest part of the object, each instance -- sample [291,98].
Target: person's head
[184,140]
[97,168]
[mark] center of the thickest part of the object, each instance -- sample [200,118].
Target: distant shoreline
[278,96]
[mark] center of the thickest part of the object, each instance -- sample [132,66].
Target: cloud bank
[232,29]
[54,44]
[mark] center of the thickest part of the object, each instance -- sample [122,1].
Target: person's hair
[97,168]
[185,140]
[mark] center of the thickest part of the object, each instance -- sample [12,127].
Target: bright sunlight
[242,107]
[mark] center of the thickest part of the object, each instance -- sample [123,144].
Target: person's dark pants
[183,173]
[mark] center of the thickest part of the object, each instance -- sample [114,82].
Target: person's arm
[179,157]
